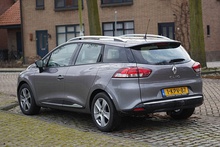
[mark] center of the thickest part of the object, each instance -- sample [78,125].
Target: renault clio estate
[110,77]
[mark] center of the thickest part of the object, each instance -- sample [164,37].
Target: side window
[62,56]
[88,54]
[114,54]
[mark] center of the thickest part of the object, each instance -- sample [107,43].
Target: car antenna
[145,36]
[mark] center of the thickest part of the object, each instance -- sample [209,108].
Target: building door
[42,42]
[167,29]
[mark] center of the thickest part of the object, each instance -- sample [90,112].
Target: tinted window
[62,55]
[65,4]
[89,53]
[154,54]
[114,54]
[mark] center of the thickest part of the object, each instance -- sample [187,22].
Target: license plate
[168,92]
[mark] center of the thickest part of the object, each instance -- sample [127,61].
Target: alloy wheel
[102,112]
[25,99]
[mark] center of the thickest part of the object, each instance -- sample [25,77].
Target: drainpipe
[116,33]
[22,33]
[80,17]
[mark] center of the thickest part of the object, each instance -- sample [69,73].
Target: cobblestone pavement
[60,128]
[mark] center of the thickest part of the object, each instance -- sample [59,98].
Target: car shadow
[83,122]
[130,126]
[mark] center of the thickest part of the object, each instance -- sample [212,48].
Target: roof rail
[97,38]
[143,35]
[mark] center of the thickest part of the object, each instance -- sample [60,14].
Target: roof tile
[11,16]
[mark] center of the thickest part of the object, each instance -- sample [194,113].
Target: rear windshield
[160,54]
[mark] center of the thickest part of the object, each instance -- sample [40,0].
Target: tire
[27,101]
[181,114]
[104,114]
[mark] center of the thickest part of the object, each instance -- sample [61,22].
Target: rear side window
[113,54]
[160,54]
[89,54]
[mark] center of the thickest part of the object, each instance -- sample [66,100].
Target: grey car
[112,77]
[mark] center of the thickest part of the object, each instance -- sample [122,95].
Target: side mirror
[39,65]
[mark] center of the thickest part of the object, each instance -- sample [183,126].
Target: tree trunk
[93,14]
[197,50]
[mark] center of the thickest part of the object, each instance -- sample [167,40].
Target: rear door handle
[60,77]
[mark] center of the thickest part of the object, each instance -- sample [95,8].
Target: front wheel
[104,114]
[27,101]
[181,113]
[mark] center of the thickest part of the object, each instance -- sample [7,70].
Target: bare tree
[196,32]
[182,22]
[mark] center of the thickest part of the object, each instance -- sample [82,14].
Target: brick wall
[211,17]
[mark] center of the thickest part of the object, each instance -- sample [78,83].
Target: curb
[12,69]
[8,107]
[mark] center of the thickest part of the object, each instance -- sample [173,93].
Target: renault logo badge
[174,69]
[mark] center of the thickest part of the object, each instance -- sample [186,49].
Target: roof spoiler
[158,45]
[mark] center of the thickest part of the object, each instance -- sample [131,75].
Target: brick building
[47,23]
[10,28]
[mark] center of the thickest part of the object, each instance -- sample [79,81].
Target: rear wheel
[181,113]
[104,113]
[27,101]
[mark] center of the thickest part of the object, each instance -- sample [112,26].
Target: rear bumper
[172,104]
[169,104]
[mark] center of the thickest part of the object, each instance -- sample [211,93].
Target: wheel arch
[94,94]
[19,86]
[30,85]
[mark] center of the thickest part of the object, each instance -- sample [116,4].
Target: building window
[208,30]
[116,2]
[39,4]
[66,4]
[67,32]
[126,27]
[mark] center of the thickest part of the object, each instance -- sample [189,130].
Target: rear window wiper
[176,60]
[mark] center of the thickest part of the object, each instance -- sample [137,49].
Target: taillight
[132,72]
[197,67]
